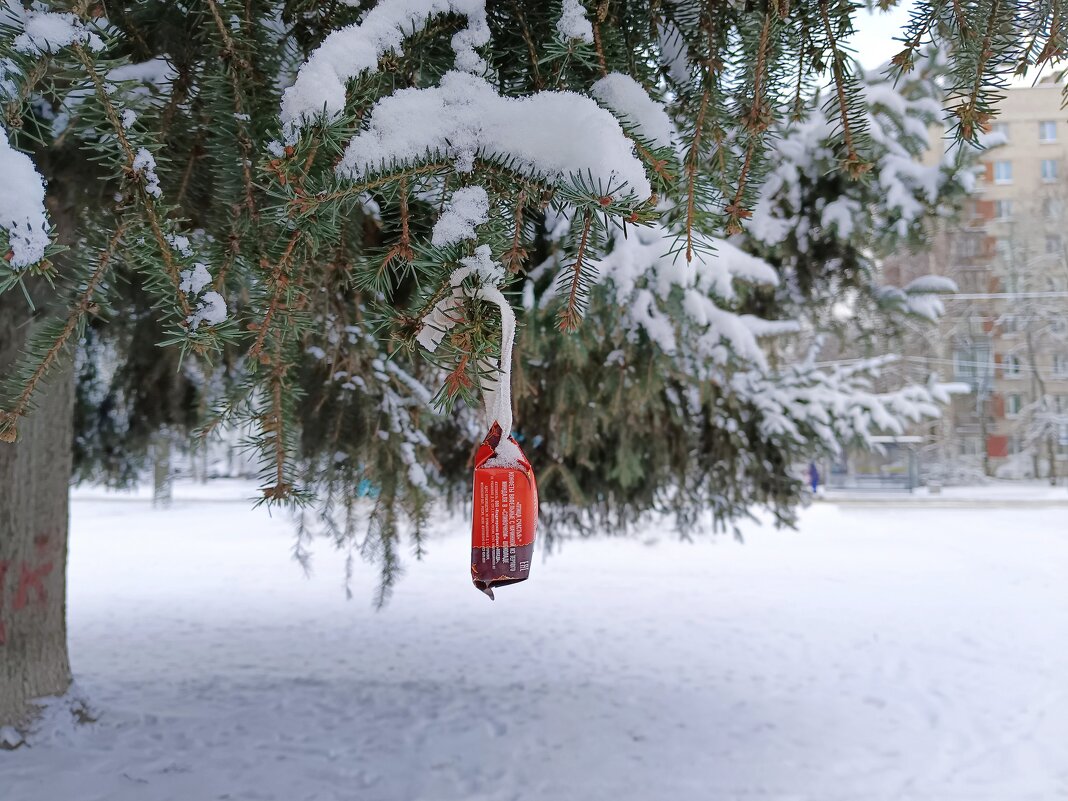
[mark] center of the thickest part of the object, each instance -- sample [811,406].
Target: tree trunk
[983,435]
[162,485]
[34,481]
[1051,454]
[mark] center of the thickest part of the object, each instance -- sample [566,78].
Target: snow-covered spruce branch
[23,221]
[819,409]
[50,343]
[29,38]
[310,166]
[197,304]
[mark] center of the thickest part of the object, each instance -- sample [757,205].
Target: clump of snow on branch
[135,86]
[345,53]
[180,243]
[628,99]
[211,309]
[154,74]
[22,211]
[195,279]
[573,22]
[44,31]
[550,135]
[144,164]
[481,264]
[468,207]
[210,306]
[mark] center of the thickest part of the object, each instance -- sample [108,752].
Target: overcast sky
[875,43]
[874,40]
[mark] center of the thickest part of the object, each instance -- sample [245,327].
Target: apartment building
[1006,333]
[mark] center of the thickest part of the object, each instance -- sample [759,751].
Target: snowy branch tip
[551,135]
[355,49]
[22,211]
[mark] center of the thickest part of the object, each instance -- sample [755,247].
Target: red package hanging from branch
[505,514]
[505,498]
[505,508]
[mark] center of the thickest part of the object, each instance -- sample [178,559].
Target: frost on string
[551,135]
[22,211]
[469,207]
[442,318]
[345,53]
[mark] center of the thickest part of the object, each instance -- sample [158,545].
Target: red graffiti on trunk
[30,587]
[31,579]
[3,628]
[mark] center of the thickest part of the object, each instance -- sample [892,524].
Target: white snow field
[875,654]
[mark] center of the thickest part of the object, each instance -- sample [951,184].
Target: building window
[1003,172]
[1049,170]
[1012,367]
[1052,208]
[1008,324]
[1003,209]
[965,364]
[1053,245]
[1047,131]
[1013,404]
[1001,129]
[966,246]
[1061,402]
[1060,368]
[969,281]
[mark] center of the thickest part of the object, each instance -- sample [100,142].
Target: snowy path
[874,655]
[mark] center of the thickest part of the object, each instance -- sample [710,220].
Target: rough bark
[162,486]
[34,478]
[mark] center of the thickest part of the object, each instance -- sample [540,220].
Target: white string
[497,393]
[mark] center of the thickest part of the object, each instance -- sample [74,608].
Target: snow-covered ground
[1005,494]
[917,653]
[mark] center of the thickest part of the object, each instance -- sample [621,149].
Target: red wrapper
[505,514]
